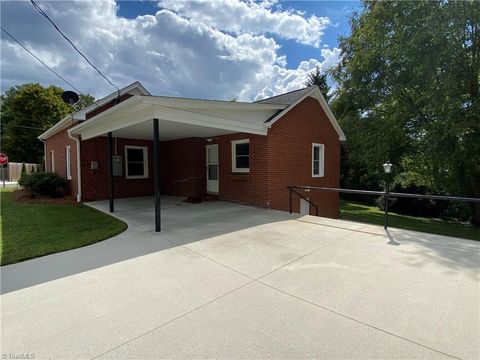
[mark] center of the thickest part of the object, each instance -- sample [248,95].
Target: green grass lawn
[372,215]
[32,230]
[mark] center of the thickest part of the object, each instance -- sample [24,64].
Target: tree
[26,111]
[409,91]
[319,79]
[85,100]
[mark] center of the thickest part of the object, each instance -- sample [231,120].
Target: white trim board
[316,94]
[80,115]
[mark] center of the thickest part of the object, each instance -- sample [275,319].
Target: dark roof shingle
[287,98]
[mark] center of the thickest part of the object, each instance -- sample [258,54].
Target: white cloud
[249,16]
[170,54]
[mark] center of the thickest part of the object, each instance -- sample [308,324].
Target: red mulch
[25,197]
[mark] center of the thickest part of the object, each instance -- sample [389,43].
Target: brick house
[131,143]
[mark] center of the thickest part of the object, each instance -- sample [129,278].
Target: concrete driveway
[230,281]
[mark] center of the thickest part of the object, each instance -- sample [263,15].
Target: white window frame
[68,162]
[234,156]
[321,165]
[52,161]
[145,162]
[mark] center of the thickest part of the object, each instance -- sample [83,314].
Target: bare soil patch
[25,197]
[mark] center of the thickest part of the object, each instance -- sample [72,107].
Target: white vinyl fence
[12,171]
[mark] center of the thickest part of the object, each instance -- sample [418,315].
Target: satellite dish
[70,97]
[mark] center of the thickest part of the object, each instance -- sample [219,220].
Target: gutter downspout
[79,172]
[44,155]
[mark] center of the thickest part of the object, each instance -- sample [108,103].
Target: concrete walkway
[230,281]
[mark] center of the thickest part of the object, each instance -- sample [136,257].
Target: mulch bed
[25,197]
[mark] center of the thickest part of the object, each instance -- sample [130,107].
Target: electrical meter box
[117,165]
[94,165]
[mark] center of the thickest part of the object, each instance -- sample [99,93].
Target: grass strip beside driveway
[32,230]
[372,215]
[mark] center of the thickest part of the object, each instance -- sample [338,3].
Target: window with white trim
[136,162]
[241,156]
[68,162]
[318,157]
[52,161]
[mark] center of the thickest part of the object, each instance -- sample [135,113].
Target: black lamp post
[387,167]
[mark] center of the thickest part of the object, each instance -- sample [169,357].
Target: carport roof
[203,117]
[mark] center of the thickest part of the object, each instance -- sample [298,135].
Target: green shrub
[44,184]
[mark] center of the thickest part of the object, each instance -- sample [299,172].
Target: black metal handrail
[378,193]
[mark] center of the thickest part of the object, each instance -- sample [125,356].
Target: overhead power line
[25,127]
[39,9]
[36,57]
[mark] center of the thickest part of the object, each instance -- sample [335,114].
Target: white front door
[212,169]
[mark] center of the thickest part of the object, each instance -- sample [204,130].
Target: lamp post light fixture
[387,167]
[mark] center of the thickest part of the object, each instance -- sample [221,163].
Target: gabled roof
[266,111]
[134,88]
[287,98]
[293,98]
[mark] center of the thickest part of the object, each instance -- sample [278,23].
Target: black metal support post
[156,171]
[110,172]
[387,198]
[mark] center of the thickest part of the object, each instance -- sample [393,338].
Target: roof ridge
[200,99]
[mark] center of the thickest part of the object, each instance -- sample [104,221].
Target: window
[136,160]
[241,155]
[52,161]
[68,162]
[317,160]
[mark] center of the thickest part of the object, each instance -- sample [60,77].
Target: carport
[162,118]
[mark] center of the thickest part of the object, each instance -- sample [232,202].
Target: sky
[216,49]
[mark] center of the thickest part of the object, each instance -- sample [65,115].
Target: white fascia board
[112,123]
[329,113]
[81,114]
[113,119]
[317,94]
[187,117]
[59,126]
[209,104]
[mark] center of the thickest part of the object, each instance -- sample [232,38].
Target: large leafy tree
[26,111]
[409,91]
[317,78]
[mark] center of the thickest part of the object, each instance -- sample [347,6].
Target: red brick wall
[289,154]
[57,143]
[107,106]
[182,165]
[249,188]
[95,182]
